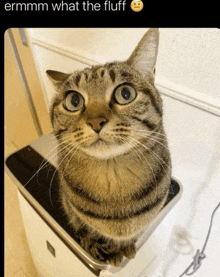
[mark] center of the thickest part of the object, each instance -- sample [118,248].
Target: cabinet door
[26,114]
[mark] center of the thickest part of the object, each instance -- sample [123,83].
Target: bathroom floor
[18,261]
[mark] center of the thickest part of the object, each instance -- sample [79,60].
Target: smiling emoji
[137,5]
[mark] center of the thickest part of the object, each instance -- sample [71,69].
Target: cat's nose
[96,123]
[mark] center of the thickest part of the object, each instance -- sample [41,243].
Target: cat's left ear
[57,78]
[144,57]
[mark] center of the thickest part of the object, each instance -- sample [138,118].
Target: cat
[114,160]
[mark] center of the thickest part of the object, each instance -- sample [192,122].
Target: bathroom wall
[19,126]
[20,121]
[187,64]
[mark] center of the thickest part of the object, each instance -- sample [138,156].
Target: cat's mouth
[99,141]
[103,149]
[101,145]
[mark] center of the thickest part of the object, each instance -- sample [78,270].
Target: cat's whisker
[161,161]
[153,139]
[151,169]
[53,178]
[150,138]
[44,163]
[154,177]
[150,133]
[132,144]
[63,171]
[52,151]
[142,131]
[73,147]
[138,151]
[68,145]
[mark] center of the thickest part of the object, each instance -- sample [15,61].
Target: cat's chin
[105,150]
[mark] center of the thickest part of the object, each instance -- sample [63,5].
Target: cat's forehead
[99,80]
[95,79]
[96,74]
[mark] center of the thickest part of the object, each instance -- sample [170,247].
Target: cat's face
[106,111]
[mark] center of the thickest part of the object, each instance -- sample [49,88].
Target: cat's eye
[73,101]
[125,94]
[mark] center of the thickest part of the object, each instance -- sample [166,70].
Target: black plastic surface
[42,184]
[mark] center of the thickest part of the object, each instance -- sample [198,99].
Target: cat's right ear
[143,58]
[57,78]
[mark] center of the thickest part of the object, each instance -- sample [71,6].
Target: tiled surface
[18,261]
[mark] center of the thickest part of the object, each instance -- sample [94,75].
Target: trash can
[52,242]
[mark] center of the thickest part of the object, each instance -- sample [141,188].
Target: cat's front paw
[107,251]
[130,251]
[93,247]
[115,258]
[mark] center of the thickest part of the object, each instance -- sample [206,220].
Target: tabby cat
[114,162]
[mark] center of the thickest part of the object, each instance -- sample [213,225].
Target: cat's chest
[113,179]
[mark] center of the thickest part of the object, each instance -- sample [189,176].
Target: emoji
[137,5]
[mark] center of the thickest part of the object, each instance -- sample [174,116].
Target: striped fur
[114,162]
